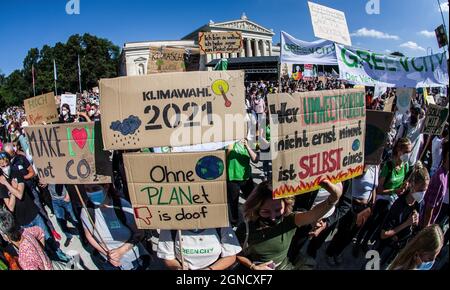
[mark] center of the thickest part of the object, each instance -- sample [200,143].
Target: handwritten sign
[41,109]
[178,190]
[64,153]
[329,24]
[435,120]
[317,135]
[173,109]
[165,59]
[71,100]
[220,42]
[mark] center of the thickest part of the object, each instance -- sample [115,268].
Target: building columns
[264,48]
[248,52]
[270,48]
[256,46]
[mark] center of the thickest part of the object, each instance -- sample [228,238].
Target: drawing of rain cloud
[128,127]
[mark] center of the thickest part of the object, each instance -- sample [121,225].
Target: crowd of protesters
[399,207]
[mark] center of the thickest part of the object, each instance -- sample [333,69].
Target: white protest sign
[71,100]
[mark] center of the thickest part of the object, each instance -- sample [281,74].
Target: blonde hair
[257,198]
[420,174]
[401,144]
[429,240]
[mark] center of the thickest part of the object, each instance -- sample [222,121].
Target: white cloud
[412,45]
[444,7]
[427,33]
[387,51]
[364,32]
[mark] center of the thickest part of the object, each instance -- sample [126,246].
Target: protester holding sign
[110,228]
[65,115]
[270,226]
[239,155]
[207,249]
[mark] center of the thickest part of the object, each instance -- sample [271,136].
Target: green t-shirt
[394,178]
[239,168]
[268,244]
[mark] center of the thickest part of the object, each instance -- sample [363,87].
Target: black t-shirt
[20,163]
[400,213]
[25,210]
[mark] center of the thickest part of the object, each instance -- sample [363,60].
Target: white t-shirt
[363,186]
[200,248]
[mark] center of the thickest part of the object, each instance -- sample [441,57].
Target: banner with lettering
[41,109]
[178,191]
[173,109]
[220,42]
[320,52]
[64,153]
[316,135]
[368,68]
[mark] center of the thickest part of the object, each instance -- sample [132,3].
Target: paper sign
[220,42]
[329,24]
[64,153]
[71,100]
[41,109]
[404,97]
[435,120]
[178,191]
[378,124]
[172,109]
[316,136]
[165,59]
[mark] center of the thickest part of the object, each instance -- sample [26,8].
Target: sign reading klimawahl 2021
[320,135]
[363,67]
[182,191]
[65,153]
[172,109]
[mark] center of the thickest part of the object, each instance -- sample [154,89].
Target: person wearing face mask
[111,230]
[391,185]
[270,225]
[412,129]
[421,252]
[94,113]
[65,115]
[403,218]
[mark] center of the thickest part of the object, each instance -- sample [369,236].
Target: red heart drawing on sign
[80,137]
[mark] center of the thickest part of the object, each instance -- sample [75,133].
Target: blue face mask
[426,266]
[97,197]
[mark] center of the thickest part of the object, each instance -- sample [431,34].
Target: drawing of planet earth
[209,167]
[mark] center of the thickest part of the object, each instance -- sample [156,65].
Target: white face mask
[64,113]
[418,196]
[92,113]
[405,157]
[6,170]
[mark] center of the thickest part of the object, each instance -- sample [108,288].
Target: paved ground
[348,261]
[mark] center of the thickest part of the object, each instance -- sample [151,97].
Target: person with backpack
[207,249]
[110,228]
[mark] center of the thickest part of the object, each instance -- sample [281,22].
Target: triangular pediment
[242,25]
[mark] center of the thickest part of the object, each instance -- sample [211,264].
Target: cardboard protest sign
[220,42]
[388,103]
[71,100]
[172,109]
[316,135]
[103,158]
[64,153]
[41,109]
[166,59]
[178,190]
[378,124]
[435,120]
[329,23]
[404,97]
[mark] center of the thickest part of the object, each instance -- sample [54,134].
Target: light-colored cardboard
[166,59]
[136,113]
[435,120]
[220,42]
[329,23]
[158,196]
[71,100]
[378,124]
[41,109]
[293,121]
[64,153]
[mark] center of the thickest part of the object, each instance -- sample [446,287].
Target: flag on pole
[79,72]
[222,64]
[55,76]
[34,83]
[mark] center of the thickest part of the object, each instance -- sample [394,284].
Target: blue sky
[25,24]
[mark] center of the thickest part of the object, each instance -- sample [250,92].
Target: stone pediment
[242,25]
[140,59]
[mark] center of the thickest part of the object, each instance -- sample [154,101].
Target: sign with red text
[41,109]
[317,135]
[64,153]
[178,191]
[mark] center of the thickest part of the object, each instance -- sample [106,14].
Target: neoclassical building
[259,55]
